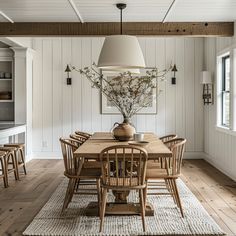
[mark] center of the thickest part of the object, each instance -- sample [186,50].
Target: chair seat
[17,145]
[86,173]
[91,164]
[155,173]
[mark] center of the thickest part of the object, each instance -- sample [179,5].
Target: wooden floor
[23,199]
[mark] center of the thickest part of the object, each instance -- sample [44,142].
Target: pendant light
[121,52]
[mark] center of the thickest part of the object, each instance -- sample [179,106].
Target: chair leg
[72,190]
[145,197]
[65,203]
[11,156]
[4,172]
[22,154]
[99,195]
[178,197]
[15,156]
[172,190]
[77,185]
[103,208]
[141,200]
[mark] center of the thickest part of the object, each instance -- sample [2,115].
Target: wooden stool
[3,168]
[10,158]
[20,158]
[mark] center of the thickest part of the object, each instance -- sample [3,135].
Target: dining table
[91,149]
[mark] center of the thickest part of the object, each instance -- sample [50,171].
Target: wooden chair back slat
[167,138]
[177,146]
[123,165]
[83,134]
[71,164]
[79,138]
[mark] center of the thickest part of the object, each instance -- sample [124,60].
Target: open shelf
[7,79]
[6,100]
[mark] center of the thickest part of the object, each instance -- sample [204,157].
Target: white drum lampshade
[121,52]
[206,77]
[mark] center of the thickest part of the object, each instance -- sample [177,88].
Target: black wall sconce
[173,79]
[68,79]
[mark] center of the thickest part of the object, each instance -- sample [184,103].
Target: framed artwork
[107,107]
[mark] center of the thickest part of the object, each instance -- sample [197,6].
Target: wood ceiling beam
[110,28]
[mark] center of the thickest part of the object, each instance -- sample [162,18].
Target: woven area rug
[166,221]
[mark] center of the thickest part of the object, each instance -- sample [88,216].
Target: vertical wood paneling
[76,85]
[56,93]
[198,106]
[161,108]
[47,89]
[96,117]
[37,123]
[180,87]
[220,146]
[170,88]
[60,109]
[189,93]
[66,89]
[86,86]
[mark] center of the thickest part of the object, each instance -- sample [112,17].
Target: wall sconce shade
[206,80]
[173,79]
[121,52]
[206,77]
[68,79]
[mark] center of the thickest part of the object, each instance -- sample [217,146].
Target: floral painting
[130,89]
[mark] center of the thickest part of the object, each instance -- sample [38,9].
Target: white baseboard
[210,160]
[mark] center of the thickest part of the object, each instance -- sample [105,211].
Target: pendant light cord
[121,18]
[121,7]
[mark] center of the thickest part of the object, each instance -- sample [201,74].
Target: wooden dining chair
[20,155]
[123,169]
[168,137]
[159,161]
[3,168]
[78,140]
[81,139]
[170,173]
[84,134]
[75,171]
[10,161]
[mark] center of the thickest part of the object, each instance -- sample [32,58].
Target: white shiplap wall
[59,109]
[219,146]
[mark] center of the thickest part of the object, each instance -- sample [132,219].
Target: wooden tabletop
[100,140]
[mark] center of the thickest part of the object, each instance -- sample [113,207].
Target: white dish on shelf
[138,143]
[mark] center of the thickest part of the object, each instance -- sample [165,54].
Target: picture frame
[108,108]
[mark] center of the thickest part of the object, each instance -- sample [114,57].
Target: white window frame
[231,51]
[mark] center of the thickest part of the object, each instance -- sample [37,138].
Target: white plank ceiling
[105,10]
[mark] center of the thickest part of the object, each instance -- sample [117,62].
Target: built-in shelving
[6,85]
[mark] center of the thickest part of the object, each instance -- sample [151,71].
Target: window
[225,92]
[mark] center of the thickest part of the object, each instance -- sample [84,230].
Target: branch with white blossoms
[127,92]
